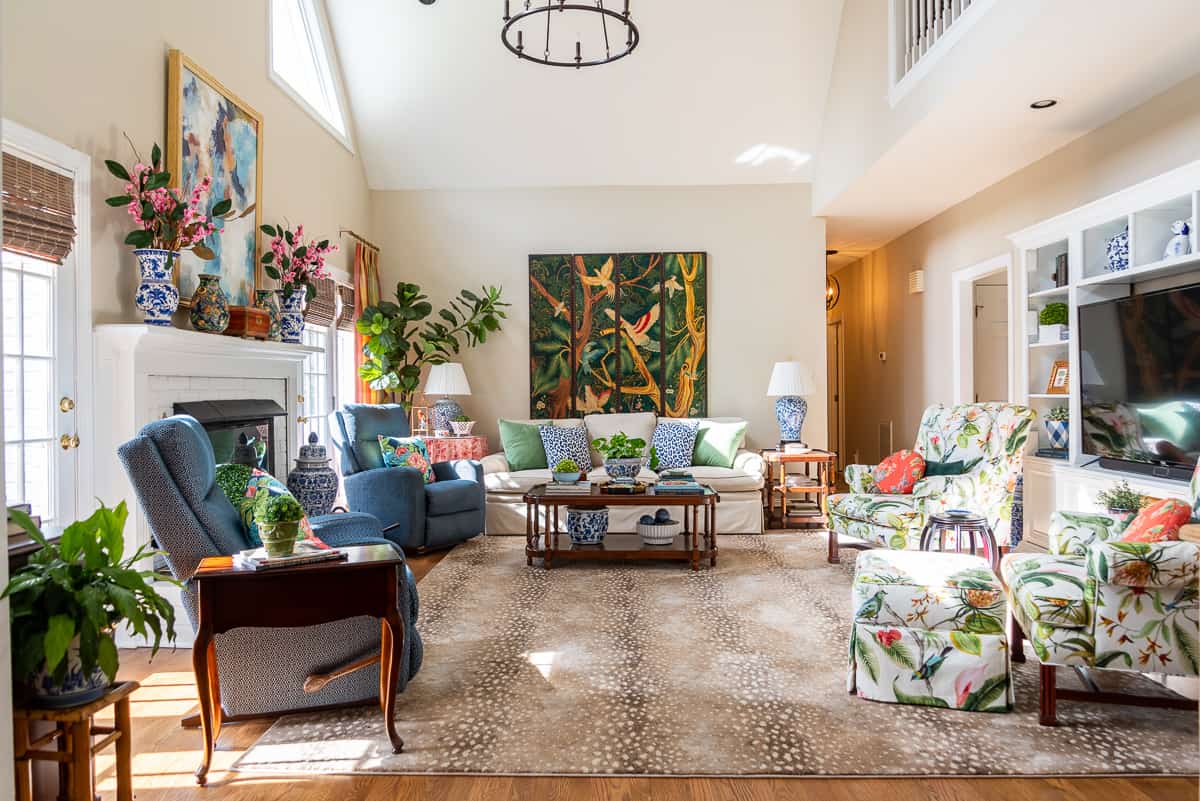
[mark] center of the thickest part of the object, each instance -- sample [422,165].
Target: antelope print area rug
[650,669]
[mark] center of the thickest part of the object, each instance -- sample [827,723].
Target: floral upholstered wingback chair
[973,455]
[1097,601]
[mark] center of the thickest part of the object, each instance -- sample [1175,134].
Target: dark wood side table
[74,730]
[230,597]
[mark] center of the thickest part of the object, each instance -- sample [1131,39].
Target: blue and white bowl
[587,526]
[624,468]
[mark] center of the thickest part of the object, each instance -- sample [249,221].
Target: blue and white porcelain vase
[444,412]
[210,305]
[790,412]
[1116,250]
[587,526]
[76,688]
[313,481]
[156,295]
[291,315]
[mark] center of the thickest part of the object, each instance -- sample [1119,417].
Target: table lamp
[445,380]
[790,380]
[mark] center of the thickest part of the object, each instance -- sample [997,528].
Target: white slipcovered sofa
[740,486]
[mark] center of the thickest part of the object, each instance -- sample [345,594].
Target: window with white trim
[318,396]
[302,64]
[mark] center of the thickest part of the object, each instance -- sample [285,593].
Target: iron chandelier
[513,34]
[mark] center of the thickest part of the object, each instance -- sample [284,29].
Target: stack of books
[305,554]
[678,486]
[578,488]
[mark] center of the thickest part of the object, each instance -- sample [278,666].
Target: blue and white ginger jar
[587,526]
[1116,250]
[156,295]
[313,481]
[291,315]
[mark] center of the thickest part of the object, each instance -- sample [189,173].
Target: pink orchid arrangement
[166,219]
[293,262]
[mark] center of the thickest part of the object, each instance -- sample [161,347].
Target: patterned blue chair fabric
[414,514]
[171,466]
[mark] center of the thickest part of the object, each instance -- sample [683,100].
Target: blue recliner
[171,465]
[414,514]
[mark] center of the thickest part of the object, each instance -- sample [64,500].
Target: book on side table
[305,554]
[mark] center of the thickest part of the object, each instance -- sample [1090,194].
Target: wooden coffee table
[697,541]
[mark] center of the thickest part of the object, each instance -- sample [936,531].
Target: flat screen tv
[1139,362]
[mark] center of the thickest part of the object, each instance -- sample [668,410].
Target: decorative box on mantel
[142,371]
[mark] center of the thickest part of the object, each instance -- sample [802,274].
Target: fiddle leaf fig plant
[76,590]
[403,337]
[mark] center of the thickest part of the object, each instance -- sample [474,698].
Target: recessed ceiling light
[1041,104]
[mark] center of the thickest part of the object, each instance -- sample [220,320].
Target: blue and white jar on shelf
[313,481]
[291,315]
[587,526]
[1058,432]
[1116,251]
[156,295]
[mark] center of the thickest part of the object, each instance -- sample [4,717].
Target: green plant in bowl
[1053,314]
[624,456]
[566,471]
[1121,499]
[278,519]
[1059,414]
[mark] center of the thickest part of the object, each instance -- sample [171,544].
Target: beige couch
[740,486]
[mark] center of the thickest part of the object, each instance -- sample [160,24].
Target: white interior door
[991,342]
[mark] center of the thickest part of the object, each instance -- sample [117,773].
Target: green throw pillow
[957,468]
[522,446]
[717,443]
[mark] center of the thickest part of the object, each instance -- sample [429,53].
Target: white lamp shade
[790,378]
[447,379]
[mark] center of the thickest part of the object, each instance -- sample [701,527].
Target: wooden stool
[73,731]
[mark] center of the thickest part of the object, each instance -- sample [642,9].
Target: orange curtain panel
[366,293]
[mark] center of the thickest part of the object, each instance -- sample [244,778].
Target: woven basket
[659,533]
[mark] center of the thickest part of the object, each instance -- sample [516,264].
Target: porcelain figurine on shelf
[1181,243]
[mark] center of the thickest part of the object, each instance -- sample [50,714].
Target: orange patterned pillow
[1158,522]
[899,473]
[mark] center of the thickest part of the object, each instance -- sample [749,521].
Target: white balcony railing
[922,29]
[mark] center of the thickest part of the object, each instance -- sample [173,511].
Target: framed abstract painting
[211,132]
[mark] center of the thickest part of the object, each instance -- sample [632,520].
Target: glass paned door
[40,446]
[317,390]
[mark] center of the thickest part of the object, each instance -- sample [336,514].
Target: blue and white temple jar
[291,315]
[1116,251]
[156,295]
[313,481]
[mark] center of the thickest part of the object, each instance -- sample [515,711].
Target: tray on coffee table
[550,542]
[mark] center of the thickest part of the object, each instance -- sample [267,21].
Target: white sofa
[740,486]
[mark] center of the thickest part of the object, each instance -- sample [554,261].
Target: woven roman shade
[322,307]
[39,210]
[346,314]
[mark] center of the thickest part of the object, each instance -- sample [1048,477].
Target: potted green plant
[566,471]
[400,339]
[1052,322]
[1121,499]
[68,600]
[462,425]
[1058,426]
[278,520]
[624,456]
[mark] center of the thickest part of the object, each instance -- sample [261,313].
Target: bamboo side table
[73,731]
[817,480]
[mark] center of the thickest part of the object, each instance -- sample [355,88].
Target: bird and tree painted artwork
[618,332]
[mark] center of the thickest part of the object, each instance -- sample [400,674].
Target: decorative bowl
[624,468]
[659,533]
[566,478]
[587,526]
[462,428]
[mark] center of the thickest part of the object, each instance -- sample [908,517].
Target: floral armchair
[1095,601]
[980,446]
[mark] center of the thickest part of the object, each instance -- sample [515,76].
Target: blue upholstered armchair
[414,514]
[171,466]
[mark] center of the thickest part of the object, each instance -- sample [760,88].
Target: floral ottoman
[929,630]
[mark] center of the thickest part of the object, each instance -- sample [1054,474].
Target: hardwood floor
[166,754]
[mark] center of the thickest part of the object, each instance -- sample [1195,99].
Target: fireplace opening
[241,431]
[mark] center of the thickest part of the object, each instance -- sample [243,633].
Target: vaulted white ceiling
[718,92]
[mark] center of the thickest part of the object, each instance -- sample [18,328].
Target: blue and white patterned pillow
[674,441]
[561,443]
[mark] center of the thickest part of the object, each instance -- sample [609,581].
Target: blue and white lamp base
[445,410]
[790,412]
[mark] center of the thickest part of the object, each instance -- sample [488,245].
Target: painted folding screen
[618,332]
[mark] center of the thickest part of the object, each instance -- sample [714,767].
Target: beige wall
[84,72]
[916,330]
[766,276]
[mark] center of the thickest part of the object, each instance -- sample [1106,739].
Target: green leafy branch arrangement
[401,338]
[79,586]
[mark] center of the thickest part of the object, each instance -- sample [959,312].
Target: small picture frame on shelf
[419,420]
[1060,379]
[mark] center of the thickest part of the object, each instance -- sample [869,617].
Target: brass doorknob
[69,441]
[66,404]
[301,420]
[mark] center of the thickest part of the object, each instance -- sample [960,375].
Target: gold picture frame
[1060,378]
[195,102]
[418,420]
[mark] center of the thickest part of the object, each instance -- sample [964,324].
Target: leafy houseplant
[1059,414]
[1052,322]
[1121,499]
[566,471]
[401,338]
[278,520]
[1058,426]
[624,456]
[66,602]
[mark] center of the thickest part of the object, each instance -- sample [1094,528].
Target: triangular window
[302,63]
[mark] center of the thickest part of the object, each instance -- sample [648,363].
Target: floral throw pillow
[561,443]
[899,473]
[1158,522]
[407,452]
[673,442]
[242,485]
